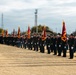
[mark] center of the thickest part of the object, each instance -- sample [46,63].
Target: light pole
[2,21]
[36,11]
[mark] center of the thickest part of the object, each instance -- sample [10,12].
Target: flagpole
[36,11]
[2,20]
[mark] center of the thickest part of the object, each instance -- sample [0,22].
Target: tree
[0,30]
[40,28]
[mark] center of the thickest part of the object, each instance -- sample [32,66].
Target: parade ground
[18,61]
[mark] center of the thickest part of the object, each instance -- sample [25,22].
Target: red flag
[18,32]
[28,33]
[64,37]
[6,33]
[44,33]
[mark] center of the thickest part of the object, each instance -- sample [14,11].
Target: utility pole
[36,11]
[2,21]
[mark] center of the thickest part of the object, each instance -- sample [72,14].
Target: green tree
[0,30]
[40,28]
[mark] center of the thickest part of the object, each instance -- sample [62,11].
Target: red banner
[18,32]
[64,37]
[28,32]
[44,33]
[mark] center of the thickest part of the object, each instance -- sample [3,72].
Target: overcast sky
[50,12]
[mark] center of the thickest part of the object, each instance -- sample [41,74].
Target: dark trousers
[64,53]
[52,48]
[48,48]
[55,49]
[42,49]
[64,48]
[24,45]
[59,51]
[71,53]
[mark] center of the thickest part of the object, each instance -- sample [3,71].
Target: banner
[18,32]
[44,33]
[64,37]
[28,32]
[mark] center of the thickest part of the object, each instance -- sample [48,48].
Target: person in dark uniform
[42,44]
[25,42]
[48,42]
[59,44]
[51,46]
[75,44]
[13,41]
[35,42]
[7,40]
[28,43]
[1,39]
[18,43]
[21,41]
[40,39]
[55,44]
[71,46]
[64,47]
[31,42]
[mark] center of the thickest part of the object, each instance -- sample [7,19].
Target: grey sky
[50,13]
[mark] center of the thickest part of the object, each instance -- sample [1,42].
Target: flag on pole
[44,33]
[64,37]
[13,34]
[6,33]
[28,32]
[2,33]
[18,32]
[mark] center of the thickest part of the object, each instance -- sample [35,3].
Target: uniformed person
[35,42]
[51,43]
[55,45]
[75,44]
[71,46]
[64,48]
[48,42]
[31,42]
[59,44]
[25,42]
[18,43]
[42,44]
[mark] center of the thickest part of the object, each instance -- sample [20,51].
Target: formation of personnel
[37,43]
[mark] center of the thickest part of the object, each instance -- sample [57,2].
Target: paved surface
[17,61]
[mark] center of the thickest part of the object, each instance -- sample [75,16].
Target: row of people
[36,42]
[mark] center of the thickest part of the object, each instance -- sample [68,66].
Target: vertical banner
[18,32]
[28,32]
[44,33]
[64,37]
